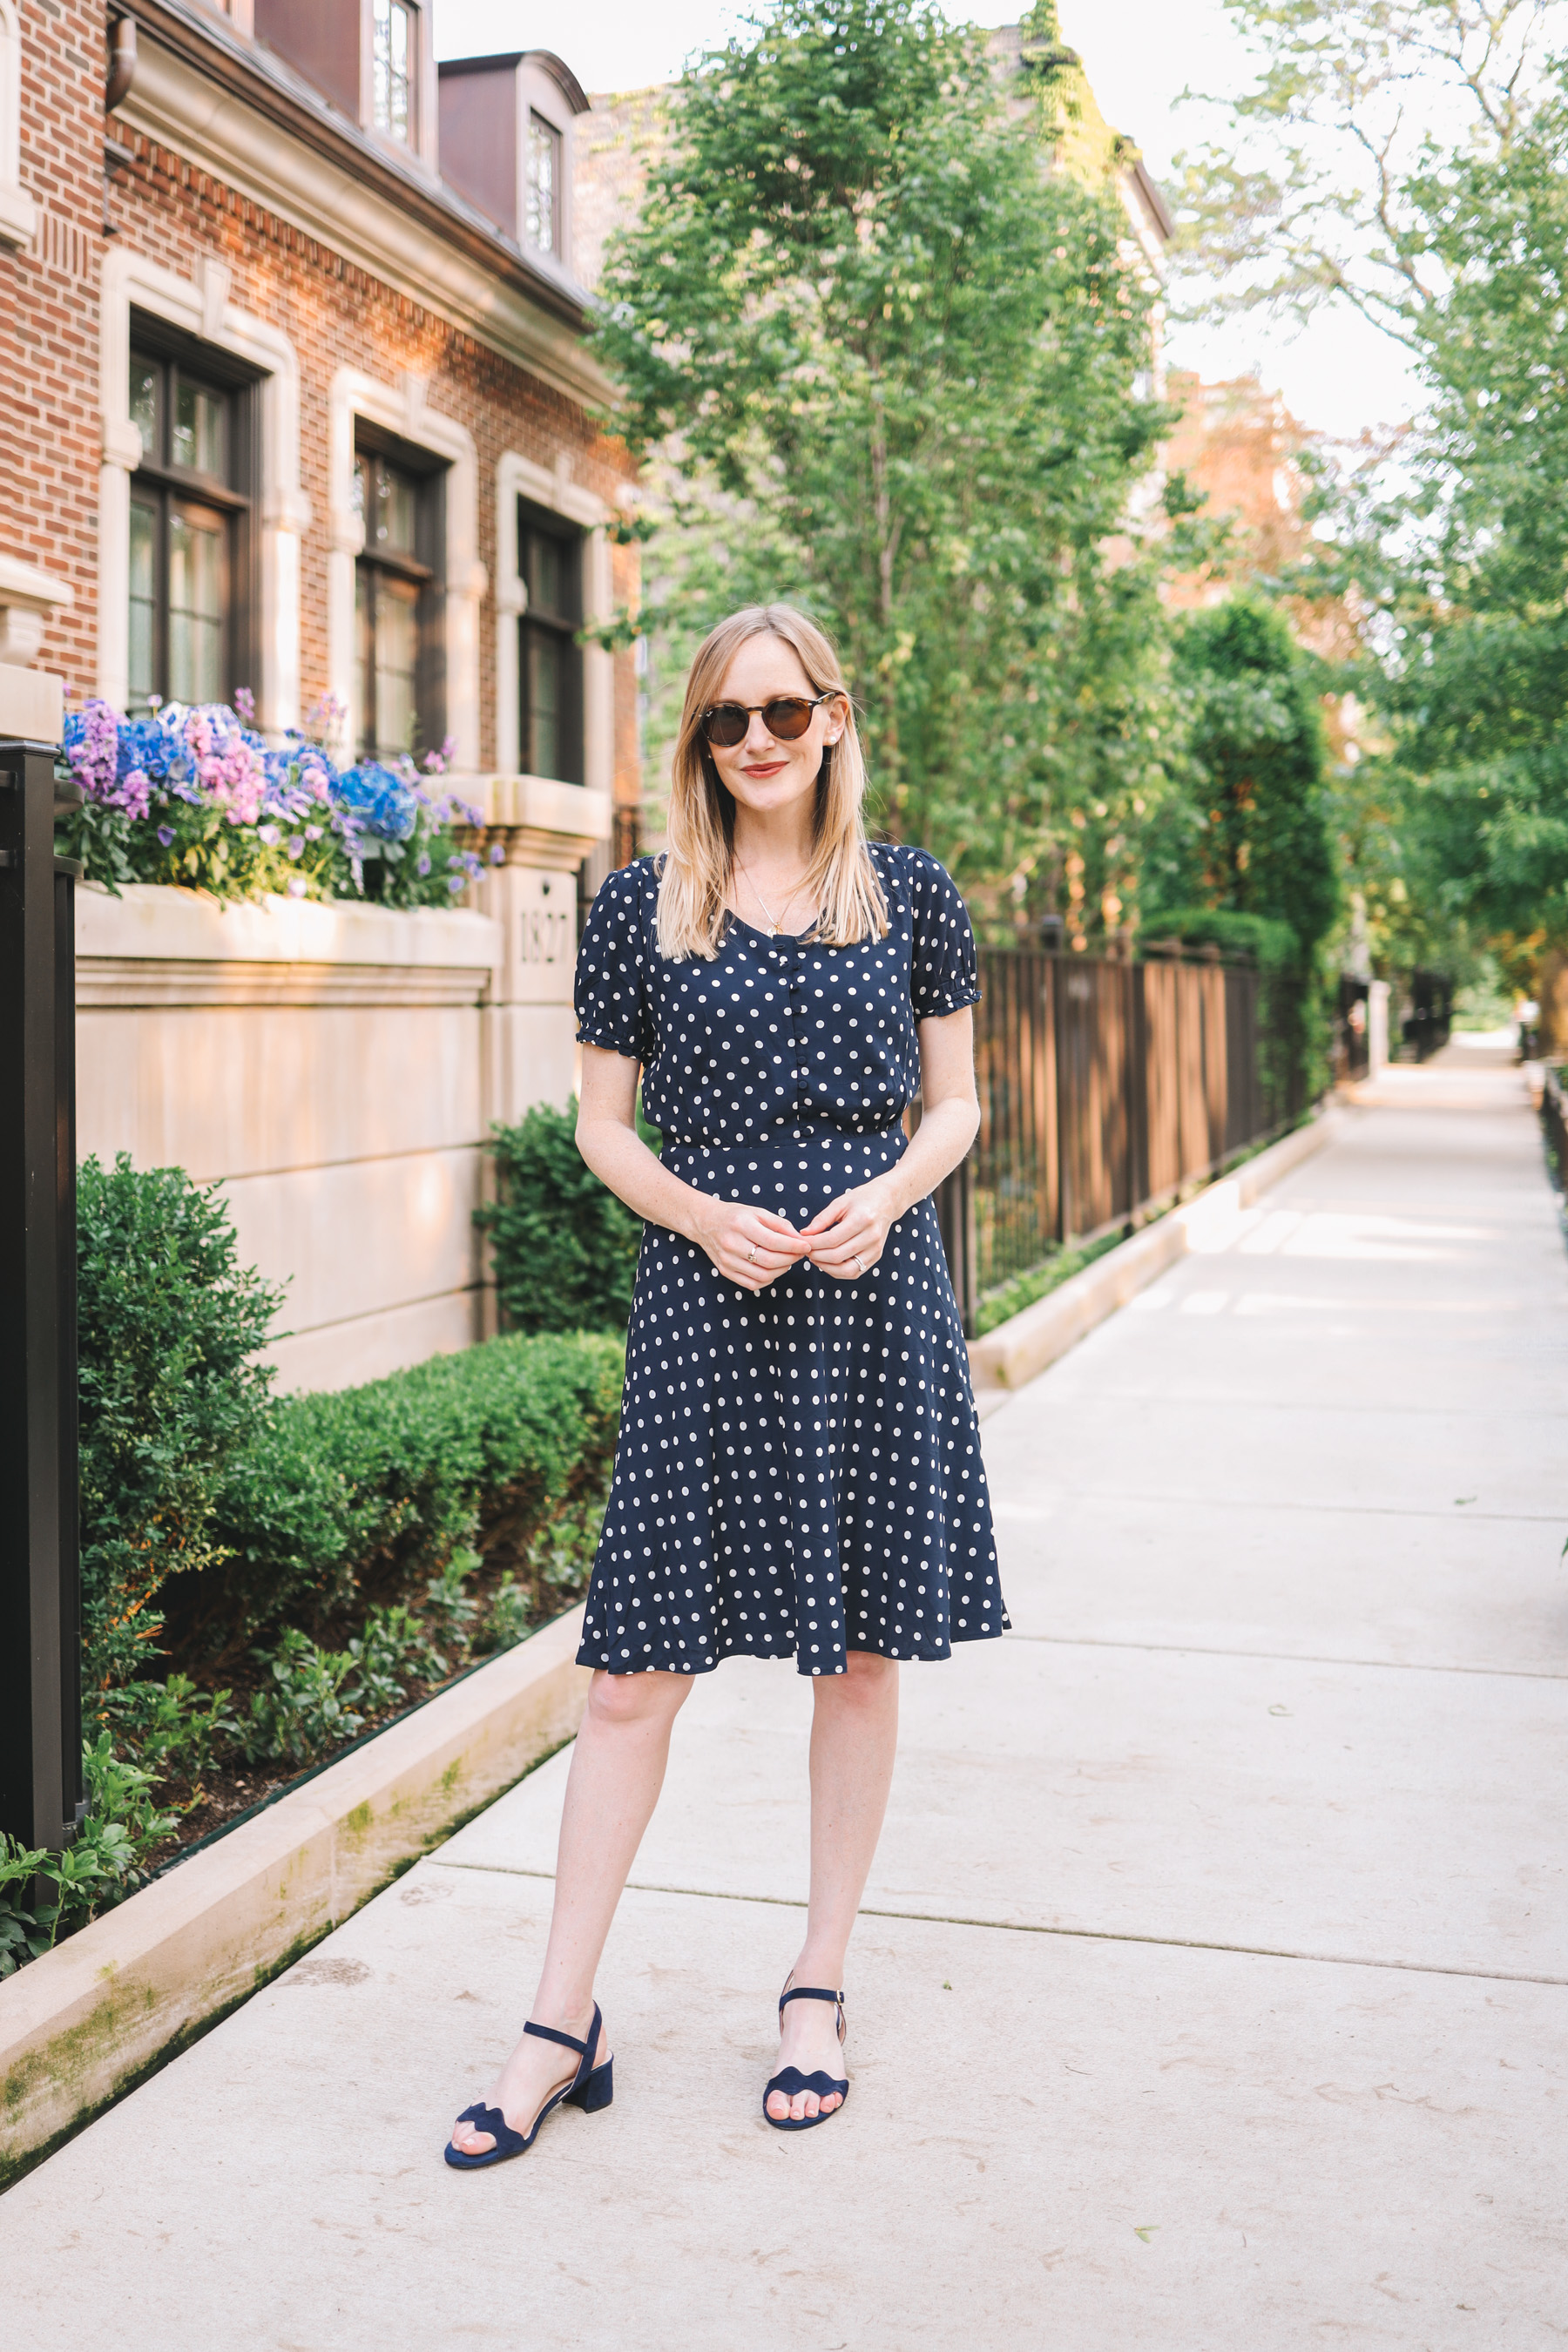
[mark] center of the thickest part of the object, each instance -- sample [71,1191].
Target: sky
[1337,377]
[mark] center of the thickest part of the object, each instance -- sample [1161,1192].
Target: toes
[778,2106]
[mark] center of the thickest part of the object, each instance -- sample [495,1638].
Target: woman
[798,1472]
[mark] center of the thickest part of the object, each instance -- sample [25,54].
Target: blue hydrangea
[384,805]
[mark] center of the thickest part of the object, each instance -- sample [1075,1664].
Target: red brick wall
[48,336]
[333,313]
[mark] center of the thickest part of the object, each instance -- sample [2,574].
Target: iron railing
[1106,1089]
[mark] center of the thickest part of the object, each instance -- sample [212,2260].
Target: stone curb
[86,2021]
[1025,1344]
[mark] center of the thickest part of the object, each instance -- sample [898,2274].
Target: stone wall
[337,1067]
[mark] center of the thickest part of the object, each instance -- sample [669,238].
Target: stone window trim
[201,308]
[18,213]
[518,476]
[30,599]
[401,409]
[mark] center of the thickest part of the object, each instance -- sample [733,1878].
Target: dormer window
[391,69]
[544,185]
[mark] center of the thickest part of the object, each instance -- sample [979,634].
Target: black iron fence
[40,1641]
[1106,1089]
[1554,1121]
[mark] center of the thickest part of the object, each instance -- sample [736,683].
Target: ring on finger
[752,1254]
[860,1265]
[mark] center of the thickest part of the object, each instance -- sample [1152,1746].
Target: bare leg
[618,1770]
[854,1738]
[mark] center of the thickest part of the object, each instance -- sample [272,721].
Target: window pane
[143,676]
[544,569]
[543,744]
[543,183]
[196,604]
[357,495]
[144,385]
[396,663]
[391,68]
[396,508]
[197,439]
[364,660]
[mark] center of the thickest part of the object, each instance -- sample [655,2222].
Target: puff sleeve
[611,993]
[945,969]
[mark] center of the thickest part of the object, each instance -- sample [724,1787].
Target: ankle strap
[806,1992]
[548,2033]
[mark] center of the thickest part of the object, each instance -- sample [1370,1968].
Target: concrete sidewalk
[1213,1989]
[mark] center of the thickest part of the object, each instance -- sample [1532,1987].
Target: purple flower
[269,834]
[295,886]
[296,846]
[454,882]
[245,703]
[167,835]
[422,863]
[498,852]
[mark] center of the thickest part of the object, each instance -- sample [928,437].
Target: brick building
[297,396]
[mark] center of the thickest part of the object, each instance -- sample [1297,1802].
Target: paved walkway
[1214,1985]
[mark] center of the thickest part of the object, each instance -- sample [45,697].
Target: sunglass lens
[726,725]
[788,718]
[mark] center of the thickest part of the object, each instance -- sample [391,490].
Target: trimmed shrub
[169,1327]
[564,1248]
[364,1493]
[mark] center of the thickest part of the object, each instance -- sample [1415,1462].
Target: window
[190,535]
[398,682]
[550,665]
[392,67]
[544,185]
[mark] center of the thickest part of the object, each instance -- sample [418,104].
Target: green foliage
[1407,157]
[391,1652]
[563,1248]
[894,371]
[1477,674]
[300,1708]
[169,1327]
[1265,847]
[243,1514]
[374,1488]
[1009,1298]
[510,1616]
[99,1869]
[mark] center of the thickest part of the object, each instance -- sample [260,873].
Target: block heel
[597,2091]
[591,2088]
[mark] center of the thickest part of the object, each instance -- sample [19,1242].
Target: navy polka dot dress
[798,1473]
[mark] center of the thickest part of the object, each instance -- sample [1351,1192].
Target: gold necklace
[775,926]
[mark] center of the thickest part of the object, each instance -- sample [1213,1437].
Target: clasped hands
[754,1246]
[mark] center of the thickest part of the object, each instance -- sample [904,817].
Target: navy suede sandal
[792,2080]
[591,2088]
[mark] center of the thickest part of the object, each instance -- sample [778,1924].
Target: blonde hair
[700,858]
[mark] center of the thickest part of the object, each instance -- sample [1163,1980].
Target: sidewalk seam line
[1284,1658]
[1262,1503]
[1031,1928]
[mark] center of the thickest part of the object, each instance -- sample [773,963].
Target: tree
[1307,196]
[1477,671]
[894,370]
[1265,847]
[1437,209]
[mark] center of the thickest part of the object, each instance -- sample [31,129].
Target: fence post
[40,1690]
